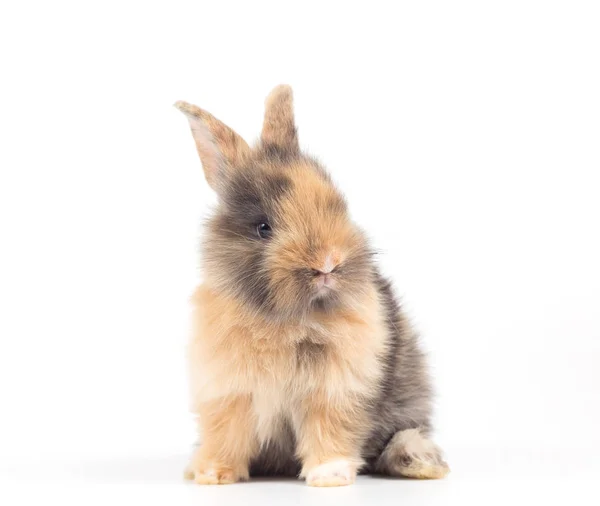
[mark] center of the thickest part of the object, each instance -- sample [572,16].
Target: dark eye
[263,229]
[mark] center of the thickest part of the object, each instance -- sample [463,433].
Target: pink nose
[324,273]
[323,278]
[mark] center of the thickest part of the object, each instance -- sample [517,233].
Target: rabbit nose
[324,272]
[323,278]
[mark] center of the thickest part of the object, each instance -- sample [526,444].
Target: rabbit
[301,360]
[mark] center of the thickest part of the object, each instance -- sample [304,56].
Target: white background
[466,137]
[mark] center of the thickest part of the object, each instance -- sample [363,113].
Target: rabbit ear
[219,147]
[279,129]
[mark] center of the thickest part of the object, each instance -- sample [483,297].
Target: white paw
[336,473]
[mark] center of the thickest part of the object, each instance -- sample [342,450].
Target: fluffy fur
[301,360]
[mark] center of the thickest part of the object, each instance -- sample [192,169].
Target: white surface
[498,477]
[466,137]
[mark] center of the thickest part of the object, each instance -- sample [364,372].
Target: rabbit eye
[263,230]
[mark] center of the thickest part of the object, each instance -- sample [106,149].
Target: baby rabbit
[301,360]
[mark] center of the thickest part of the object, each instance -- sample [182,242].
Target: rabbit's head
[281,240]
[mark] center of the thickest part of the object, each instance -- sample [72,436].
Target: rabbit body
[301,361]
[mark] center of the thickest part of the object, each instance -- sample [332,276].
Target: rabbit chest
[279,366]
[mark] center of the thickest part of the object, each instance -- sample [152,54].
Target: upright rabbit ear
[219,147]
[279,128]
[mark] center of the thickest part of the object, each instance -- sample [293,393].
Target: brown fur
[279,128]
[287,376]
[216,143]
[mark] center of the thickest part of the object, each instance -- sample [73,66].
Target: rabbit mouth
[323,291]
[324,283]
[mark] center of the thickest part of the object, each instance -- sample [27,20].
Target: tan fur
[218,146]
[305,218]
[237,355]
[278,127]
[227,427]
